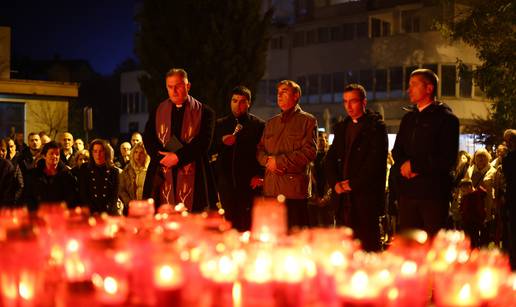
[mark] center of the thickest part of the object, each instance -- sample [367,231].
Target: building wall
[375,43]
[39,114]
[134,105]
[5,52]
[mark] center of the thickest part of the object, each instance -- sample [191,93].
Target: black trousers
[297,213]
[237,206]
[364,222]
[428,215]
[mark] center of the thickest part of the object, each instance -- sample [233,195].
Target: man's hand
[406,170]
[256,181]
[271,164]
[342,187]
[169,160]
[229,139]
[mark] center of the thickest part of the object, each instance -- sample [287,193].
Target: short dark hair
[356,87]
[48,146]
[31,134]
[177,71]
[242,91]
[293,85]
[429,76]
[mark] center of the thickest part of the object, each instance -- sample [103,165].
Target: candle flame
[26,286]
[465,293]
[167,276]
[450,254]
[487,283]
[72,246]
[408,268]
[9,289]
[393,294]
[359,283]
[337,259]
[237,294]
[110,285]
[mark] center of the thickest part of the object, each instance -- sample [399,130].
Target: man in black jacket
[11,180]
[425,153]
[238,173]
[356,167]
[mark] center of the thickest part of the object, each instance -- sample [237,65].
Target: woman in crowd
[82,157]
[481,174]
[99,180]
[133,176]
[50,180]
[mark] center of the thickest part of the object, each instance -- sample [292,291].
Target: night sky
[99,31]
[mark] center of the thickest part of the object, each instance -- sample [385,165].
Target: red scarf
[184,187]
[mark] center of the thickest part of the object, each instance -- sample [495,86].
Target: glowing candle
[168,282]
[110,289]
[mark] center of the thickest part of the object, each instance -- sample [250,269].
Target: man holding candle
[355,167]
[177,137]
[287,147]
[424,153]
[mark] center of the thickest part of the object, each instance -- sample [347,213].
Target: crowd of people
[185,155]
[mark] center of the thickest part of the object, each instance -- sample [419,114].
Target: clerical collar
[179,106]
[356,121]
[423,107]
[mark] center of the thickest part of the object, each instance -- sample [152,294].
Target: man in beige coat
[287,147]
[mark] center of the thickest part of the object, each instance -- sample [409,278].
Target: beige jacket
[291,138]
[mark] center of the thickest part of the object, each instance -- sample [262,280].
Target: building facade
[28,105]
[325,44]
[133,106]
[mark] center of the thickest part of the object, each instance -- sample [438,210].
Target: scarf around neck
[183,189]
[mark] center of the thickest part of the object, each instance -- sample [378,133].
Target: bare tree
[50,117]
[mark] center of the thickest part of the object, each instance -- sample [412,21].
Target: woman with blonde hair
[133,176]
[482,174]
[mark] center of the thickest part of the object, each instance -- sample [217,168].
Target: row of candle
[65,258]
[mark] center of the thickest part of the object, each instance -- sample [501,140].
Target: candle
[364,281]
[488,282]
[168,280]
[411,286]
[269,219]
[141,208]
[288,273]
[222,272]
[110,290]
[456,287]
[257,286]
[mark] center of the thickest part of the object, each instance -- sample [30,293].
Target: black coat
[430,140]
[26,161]
[11,182]
[98,188]
[205,195]
[40,188]
[237,164]
[367,163]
